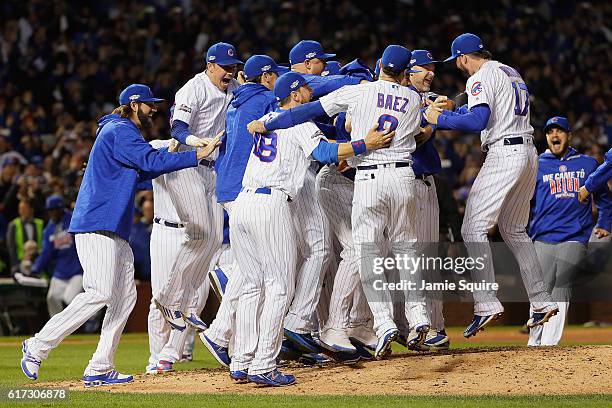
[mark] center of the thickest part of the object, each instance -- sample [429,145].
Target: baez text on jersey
[396,103]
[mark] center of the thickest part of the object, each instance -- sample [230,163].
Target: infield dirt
[471,371]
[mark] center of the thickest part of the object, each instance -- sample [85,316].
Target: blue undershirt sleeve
[326,152]
[474,120]
[180,130]
[295,116]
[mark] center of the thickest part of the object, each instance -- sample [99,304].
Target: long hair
[124,111]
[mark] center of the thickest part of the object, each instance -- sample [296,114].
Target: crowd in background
[62,64]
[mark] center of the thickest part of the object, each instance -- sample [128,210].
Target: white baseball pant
[335,193]
[193,196]
[62,291]
[383,216]
[108,280]
[428,235]
[501,194]
[559,264]
[314,243]
[266,251]
[164,343]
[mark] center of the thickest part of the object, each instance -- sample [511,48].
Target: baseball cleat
[29,364]
[220,353]
[417,337]
[346,358]
[164,366]
[173,317]
[194,321]
[436,340]
[239,376]
[151,369]
[274,378]
[318,359]
[185,358]
[478,323]
[364,353]
[110,378]
[303,341]
[363,335]
[336,340]
[288,352]
[218,281]
[384,343]
[539,318]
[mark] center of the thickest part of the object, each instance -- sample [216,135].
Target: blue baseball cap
[222,54]
[287,83]
[421,57]
[137,93]
[465,44]
[53,202]
[258,64]
[331,68]
[558,121]
[396,57]
[307,49]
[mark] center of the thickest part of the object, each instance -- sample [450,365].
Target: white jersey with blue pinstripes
[385,103]
[162,202]
[281,158]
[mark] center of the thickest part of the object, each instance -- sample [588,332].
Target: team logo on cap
[429,55]
[311,55]
[479,45]
[476,88]
[412,61]
[294,84]
[563,168]
[554,120]
[230,52]
[212,58]
[266,68]
[134,97]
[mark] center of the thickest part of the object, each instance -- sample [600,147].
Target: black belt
[382,166]
[268,191]
[159,221]
[207,163]
[509,141]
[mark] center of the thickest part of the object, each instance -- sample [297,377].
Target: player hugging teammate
[321,171]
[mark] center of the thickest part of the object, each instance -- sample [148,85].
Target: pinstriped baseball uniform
[203,107]
[264,242]
[314,242]
[384,207]
[504,186]
[335,193]
[166,242]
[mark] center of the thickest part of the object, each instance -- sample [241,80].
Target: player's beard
[146,123]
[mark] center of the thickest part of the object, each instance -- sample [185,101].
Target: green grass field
[68,361]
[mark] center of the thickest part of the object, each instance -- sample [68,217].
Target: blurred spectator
[59,257]
[25,229]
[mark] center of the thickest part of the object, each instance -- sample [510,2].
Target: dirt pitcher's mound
[499,371]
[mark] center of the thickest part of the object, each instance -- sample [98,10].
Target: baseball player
[383,205]
[265,248]
[314,235]
[561,225]
[598,178]
[498,108]
[251,101]
[167,236]
[119,157]
[200,107]
[426,163]
[58,247]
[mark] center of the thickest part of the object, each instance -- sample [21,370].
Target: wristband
[359,147]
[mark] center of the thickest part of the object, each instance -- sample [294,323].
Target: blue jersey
[251,101]
[59,251]
[556,214]
[600,177]
[425,159]
[119,159]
